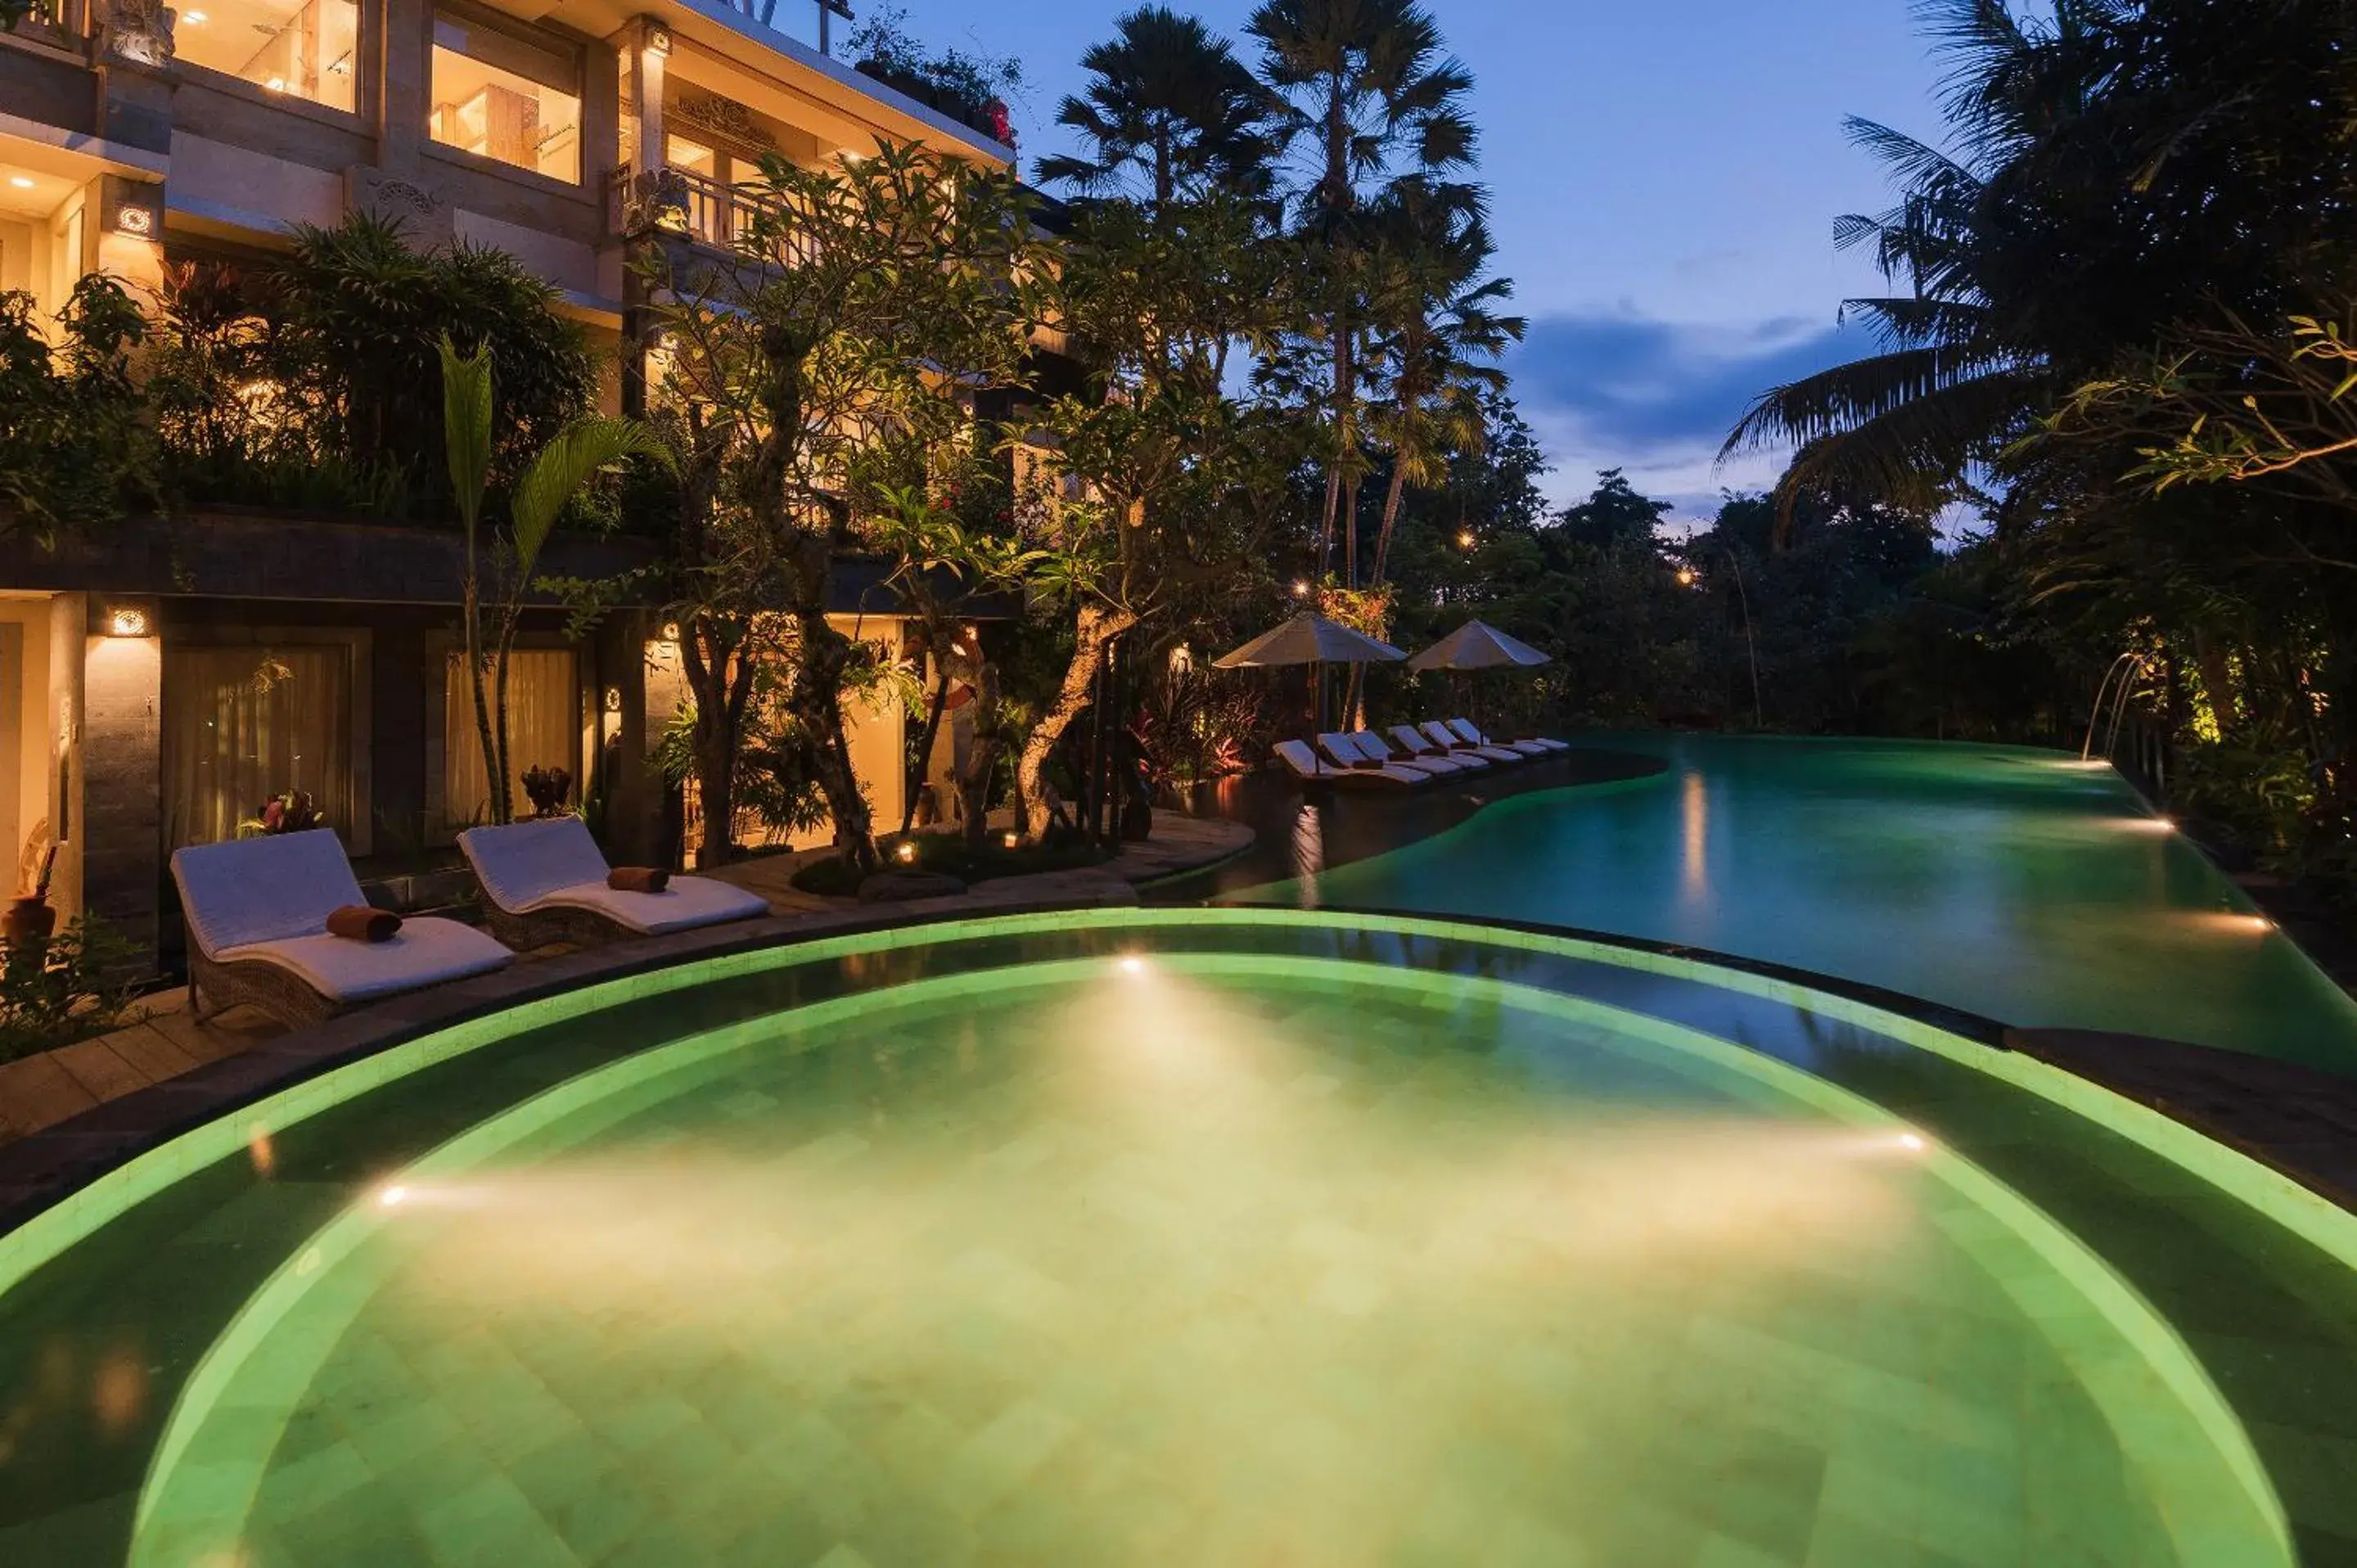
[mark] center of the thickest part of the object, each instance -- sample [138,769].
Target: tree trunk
[914,785]
[815,700]
[720,668]
[1391,518]
[471,615]
[981,758]
[1095,628]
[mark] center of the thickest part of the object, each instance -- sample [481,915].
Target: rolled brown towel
[638,879]
[362,923]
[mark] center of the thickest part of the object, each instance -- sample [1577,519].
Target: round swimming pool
[1177,1237]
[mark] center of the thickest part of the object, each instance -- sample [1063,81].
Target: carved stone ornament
[658,200]
[139,31]
[723,117]
[425,217]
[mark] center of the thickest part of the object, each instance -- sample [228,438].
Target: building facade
[158,685]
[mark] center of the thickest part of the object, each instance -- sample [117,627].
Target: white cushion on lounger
[261,890]
[1305,763]
[523,862]
[1375,749]
[525,867]
[1427,754]
[685,903]
[1444,736]
[1537,746]
[1343,749]
[425,952]
[268,898]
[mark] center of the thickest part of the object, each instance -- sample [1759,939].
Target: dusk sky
[1665,179]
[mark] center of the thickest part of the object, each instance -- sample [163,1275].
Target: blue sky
[1664,175]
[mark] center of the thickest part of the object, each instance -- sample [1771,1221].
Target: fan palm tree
[1361,93]
[1437,333]
[1170,106]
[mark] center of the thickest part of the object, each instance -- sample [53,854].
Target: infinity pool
[1181,1238]
[2022,885]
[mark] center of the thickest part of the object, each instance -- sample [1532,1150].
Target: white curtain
[544,731]
[242,724]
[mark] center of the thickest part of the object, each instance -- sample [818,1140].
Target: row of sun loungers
[279,922]
[1408,755]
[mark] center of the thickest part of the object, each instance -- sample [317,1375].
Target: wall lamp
[126,620]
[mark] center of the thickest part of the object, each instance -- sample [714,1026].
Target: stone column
[403,80]
[122,826]
[650,46]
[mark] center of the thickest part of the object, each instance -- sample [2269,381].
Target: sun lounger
[1464,729]
[257,914]
[1442,734]
[1308,764]
[545,882]
[1428,753]
[1362,757]
[1380,748]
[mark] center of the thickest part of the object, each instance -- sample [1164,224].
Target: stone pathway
[42,1091]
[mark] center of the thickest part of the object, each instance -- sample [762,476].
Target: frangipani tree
[866,305]
[587,446]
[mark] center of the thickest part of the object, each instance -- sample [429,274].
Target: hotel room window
[243,724]
[508,98]
[302,49]
[544,730]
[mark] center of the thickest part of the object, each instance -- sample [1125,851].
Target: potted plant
[547,789]
[289,811]
[31,918]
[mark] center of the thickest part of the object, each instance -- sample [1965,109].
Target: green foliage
[961,83]
[1169,113]
[65,988]
[362,317]
[75,447]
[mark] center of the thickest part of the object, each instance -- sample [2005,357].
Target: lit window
[302,49]
[244,725]
[499,96]
[544,731]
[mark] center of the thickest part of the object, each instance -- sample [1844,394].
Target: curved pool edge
[106,1161]
[50,1172]
[172,1529]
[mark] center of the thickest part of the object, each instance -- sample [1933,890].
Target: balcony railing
[678,201]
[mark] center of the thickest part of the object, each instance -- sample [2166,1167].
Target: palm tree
[587,446]
[1952,383]
[1169,105]
[1435,333]
[1361,93]
[1962,367]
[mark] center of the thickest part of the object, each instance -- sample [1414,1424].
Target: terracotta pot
[29,918]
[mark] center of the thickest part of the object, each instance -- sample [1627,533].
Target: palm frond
[467,426]
[584,448]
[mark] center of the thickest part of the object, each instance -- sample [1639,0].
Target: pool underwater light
[390,1196]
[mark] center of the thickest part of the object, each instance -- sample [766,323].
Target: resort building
[158,685]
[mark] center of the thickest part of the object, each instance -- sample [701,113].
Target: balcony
[676,201]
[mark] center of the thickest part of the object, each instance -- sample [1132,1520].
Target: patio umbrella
[1478,644]
[1310,638]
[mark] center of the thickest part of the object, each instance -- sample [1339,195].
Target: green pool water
[2023,886]
[1182,1237]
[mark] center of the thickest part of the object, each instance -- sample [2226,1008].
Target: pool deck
[167,1045]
